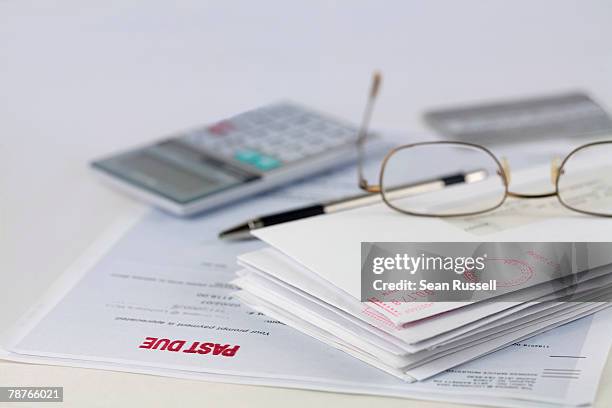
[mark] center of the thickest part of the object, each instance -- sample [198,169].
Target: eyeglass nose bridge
[555,172]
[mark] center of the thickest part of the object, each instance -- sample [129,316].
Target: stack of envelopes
[313,289]
[423,339]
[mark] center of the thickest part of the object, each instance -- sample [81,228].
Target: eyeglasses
[411,176]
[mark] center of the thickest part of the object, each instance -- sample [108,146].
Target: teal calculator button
[247,156]
[267,163]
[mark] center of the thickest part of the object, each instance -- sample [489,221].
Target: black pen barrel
[292,215]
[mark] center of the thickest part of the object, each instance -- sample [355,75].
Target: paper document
[155,296]
[137,293]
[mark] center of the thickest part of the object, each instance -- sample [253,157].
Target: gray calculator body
[236,157]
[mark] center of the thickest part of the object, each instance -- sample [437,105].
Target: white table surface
[81,79]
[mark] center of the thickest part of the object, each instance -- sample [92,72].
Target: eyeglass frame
[503,169]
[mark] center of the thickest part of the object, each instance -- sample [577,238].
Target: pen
[243,230]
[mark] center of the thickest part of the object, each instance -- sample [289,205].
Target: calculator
[209,166]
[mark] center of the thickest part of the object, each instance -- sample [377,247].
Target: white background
[82,79]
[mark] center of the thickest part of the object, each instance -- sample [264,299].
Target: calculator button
[346,134]
[278,126]
[242,121]
[262,133]
[221,128]
[236,138]
[259,118]
[247,156]
[282,110]
[256,145]
[312,150]
[289,156]
[266,163]
[223,150]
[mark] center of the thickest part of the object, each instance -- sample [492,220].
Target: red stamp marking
[524,272]
[384,306]
[545,260]
[377,316]
[195,347]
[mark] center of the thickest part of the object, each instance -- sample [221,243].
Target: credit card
[560,116]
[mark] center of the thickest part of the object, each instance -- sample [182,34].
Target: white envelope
[434,366]
[464,319]
[349,332]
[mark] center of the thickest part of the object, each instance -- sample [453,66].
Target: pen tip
[240,232]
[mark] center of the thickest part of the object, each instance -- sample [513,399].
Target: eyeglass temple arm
[363,133]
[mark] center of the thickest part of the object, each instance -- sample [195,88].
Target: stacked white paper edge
[426,339]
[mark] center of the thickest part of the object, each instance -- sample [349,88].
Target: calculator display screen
[173,171]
